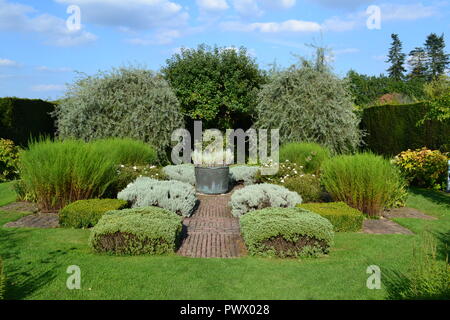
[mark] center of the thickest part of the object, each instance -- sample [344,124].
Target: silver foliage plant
[127,102]
[307,102]
[260,196]
[246,174]
[175,196]
[181,172]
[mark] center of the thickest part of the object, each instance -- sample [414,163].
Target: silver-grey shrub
[246,174]
[181,172]
[176,196]
[127,102]
[260,196]
[309,103]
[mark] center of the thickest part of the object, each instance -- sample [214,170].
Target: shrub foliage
[9,157]
[364,181]
[176,196]
[342,217]
[86,213]
[261,196]
[126,102]
[148,230]
[286,232]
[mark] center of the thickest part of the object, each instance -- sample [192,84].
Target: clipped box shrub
[25,119]
[176,196]
[423,167]
[2,281]
[9,157]
[148,230]
[246,174]
[86,213]
[364,181]
[286,232]
[261,196]
[309,155]
[308,186]
[181,172]
[342,217]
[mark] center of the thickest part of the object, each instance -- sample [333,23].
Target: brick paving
[212,232]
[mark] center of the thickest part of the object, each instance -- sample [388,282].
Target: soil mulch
[406,212]
[212,232]
[38,220]
[21,206]
[383,226]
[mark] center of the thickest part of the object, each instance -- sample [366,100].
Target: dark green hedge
[392,129]
[22,119]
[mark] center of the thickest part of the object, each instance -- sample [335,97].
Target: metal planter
[212,180]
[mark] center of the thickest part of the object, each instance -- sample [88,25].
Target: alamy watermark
[374,280]
[73,22]
[74,280]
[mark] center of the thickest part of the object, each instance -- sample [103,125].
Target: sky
[45,44]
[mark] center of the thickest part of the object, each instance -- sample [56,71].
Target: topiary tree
[126,102]
[307,102]
[216,85]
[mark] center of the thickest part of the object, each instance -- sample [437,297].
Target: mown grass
[36,261]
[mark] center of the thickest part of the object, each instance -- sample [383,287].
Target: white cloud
[343,4]
[48,87]
[273,27]
[247,7]
[17,18]
[212,5]
[131,14]
[283,4]
[49,69]
[8,63]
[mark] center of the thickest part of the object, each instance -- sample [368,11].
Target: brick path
[212,232]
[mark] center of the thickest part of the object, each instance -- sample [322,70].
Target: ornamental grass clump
[126,151]
[261,196]
[286,232]
[176,196]
[60,172]
[148,230]
[364,181]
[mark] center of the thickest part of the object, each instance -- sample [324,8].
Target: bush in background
[309,103]
[393,129]
[86,213]
[342,217]
[309,155]
[22,120]
[125,151]
[307,186]
[261,196]
[61,172]
[126,102]
[149,230]
[176,196]
[286,232]
[364,181]
[423,167]
[9,157]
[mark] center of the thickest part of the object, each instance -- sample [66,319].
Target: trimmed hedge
[86,213]
[392,129]
[176,196]
[342,217]
[2,281]
[286,232]
[148,230]
[259,196]
[25,119]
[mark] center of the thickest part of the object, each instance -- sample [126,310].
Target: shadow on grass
[438,197]
[24,277]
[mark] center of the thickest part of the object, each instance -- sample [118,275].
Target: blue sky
[39,54]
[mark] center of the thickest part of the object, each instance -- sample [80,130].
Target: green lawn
[36,262]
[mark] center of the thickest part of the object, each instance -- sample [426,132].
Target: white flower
[135,168]
[122,166]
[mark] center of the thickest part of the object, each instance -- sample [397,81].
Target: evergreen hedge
[22,119]
[392,129]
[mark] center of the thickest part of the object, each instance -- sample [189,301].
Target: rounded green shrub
[364,181]
[307,185]
[286,232]
[86,213]
[259,196]
[147,230]
[9,157]
[342,217]
[309,155]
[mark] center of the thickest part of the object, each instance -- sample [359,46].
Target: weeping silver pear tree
[126,102]
[309,103]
